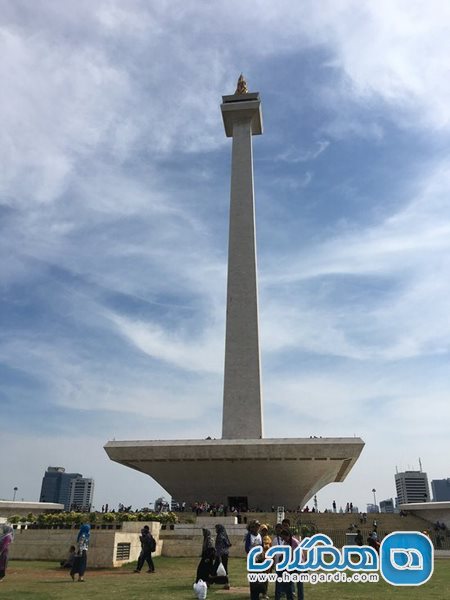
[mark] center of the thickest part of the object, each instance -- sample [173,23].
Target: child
[68,562]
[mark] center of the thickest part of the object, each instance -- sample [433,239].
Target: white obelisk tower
[242,403]
[241,469]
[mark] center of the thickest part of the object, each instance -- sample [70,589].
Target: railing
[440,541]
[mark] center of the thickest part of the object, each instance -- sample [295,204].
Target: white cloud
[408,249]
[292,155]
[184,350]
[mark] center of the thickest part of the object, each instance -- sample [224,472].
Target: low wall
[177,546]
[106,547]
[209,522]
[187,539]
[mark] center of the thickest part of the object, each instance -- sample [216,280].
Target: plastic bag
[221,571]
[200,589]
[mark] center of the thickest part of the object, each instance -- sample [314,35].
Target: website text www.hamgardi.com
[338,577]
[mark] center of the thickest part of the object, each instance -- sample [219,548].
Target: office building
[412,486]
[387,506]
[441,490]
[56,486]
[81,492]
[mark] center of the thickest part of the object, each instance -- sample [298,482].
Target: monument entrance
[240,503]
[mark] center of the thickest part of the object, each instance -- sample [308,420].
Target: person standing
[253,537]
[266,544]
[222,548]
[80,558]
[205,569]
[373,541]
[6,537]
[293,542]
[359,541]
[148,545]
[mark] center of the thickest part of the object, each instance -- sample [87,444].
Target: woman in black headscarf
[222,547]
[205,569]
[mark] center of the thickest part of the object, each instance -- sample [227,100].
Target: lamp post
[374,497]
[15,492]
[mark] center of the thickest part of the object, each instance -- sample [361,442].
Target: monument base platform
[257,474]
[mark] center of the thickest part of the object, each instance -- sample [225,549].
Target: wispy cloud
[294,156]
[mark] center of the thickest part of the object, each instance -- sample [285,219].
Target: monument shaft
[241,469]
[242,405]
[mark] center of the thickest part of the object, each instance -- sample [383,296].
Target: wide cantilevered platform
[266,472]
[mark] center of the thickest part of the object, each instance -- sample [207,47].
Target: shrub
[108,517]
[14,519]
[168,518]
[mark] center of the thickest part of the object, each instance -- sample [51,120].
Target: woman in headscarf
[6,537]
[80,559]
[223,545]
[205,569]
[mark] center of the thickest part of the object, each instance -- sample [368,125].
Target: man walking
[148,545]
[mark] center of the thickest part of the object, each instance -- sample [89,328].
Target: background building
[81,492]
[441,489]
[57,486]
[387,506]
[412,486]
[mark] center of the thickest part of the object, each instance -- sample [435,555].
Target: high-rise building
[441,489]
[56,486]
[387,506]
[412,486]
[81,492]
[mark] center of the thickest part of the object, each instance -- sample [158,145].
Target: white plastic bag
[200,589]
[221,571]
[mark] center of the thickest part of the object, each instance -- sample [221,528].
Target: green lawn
[173,580]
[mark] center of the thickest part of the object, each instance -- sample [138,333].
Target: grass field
[173,580]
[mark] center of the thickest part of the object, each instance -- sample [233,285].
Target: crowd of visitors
[258,535]
[213,568]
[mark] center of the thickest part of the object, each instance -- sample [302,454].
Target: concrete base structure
[105,546]
[253,473]
[431,511]
[10,508]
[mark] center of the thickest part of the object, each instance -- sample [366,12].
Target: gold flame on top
[241,86]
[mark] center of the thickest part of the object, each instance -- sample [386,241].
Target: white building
[412,486]
[81,493]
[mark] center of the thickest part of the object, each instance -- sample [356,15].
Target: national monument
[243,468]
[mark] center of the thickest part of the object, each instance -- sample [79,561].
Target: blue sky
[114,198]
